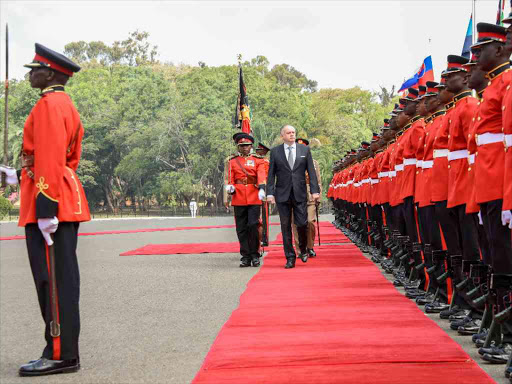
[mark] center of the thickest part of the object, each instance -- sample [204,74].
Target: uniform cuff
[45,208]
[261,186]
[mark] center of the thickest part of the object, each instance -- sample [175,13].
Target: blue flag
[468,41]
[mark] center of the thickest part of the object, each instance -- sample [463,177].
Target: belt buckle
[245,181]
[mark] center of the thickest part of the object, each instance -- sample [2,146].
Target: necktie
[291,160]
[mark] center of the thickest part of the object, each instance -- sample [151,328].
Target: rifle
[6,116]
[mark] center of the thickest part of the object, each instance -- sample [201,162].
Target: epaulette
[257,156]
[232,156]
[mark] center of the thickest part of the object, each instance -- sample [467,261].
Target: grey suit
[288,186]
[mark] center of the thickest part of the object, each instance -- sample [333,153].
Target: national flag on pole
[243,111]
[501,12]
[423,74]
[468,41]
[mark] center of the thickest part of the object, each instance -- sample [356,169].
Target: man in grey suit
[286,187]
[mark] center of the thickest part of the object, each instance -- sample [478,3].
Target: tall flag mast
[243,110]
[6,116]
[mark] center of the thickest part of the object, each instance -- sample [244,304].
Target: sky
[338,43]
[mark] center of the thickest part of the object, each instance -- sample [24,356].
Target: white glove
[230,188]
[47,227]
[480,221]
[506,218]
[12,178]
[261,194]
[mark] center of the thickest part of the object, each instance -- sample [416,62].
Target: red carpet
[127,231]
[335,319]
[197,248]
[328,234]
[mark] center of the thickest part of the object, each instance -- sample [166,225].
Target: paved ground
[145,319]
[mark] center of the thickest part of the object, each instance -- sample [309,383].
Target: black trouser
[300,218]
[364,221]
[246,220]
[389,216]
[467,232]
[410,219]
[501,251]
[376,216]
[398,219]
[64,347]
[264,223]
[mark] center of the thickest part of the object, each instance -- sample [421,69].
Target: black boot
[290,263]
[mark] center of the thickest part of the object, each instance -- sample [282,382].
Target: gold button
[473,119]
[478,103]
[479,118]
[469,169]
[448,136]
[503,108]
[489,83]
[425,145]
[508,87]
[482,100]
[448,167]
[450,121]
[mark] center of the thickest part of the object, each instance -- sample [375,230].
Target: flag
[243,110]
[468,41]
[423,74]
[501,12]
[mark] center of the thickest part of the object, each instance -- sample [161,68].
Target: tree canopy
[160,132]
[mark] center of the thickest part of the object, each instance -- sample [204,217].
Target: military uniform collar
[428,119]
[461,96]
[406,127]
[437,114]
[379,151]
[52,89]
[480,94]
[415,119]
[450,105]
[491,75]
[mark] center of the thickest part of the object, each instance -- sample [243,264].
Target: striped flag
[468,40]
[501,12]
[243,110]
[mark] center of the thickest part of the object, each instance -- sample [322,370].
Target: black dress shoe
[311,253]
[304,257]
[290,263]
[256,262]
[44,366]
[245,263]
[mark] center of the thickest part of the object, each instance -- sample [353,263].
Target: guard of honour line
[430,197]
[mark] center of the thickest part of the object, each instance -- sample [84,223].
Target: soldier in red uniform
[492,56]
[246,180]
[507,130]
[263,224]
[53,204]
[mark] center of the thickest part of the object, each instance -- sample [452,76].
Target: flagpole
[474,22]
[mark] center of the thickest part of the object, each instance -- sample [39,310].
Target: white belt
[508,141]
[365,181]
[411,161]
[419,164]
[392,173]
[357,185]
[489,138]
[471,159]
[350,182]
[399,167]
[441,153]
[374,181]
[383,174]
[428,164]
[456,155]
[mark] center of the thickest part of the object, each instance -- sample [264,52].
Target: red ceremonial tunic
[50,187]
[428,156]
[461,118]
[410,143]
[246,174]
[507,130]
[439,180]
[490,158]
[384,180]
[419,182]
[374,179]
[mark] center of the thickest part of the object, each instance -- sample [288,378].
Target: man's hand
[48,226]
[506,218]
[316,197]
[230,189]
[261,194]
[270,199]
[11,177]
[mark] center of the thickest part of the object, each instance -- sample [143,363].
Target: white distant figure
[193,208]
